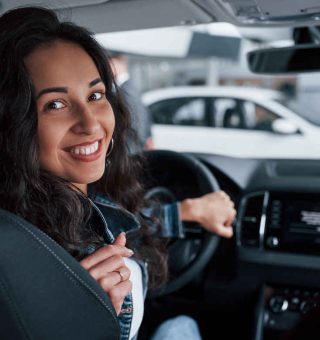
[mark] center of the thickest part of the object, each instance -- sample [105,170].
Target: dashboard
[277,235]
[278,203]
[275,223]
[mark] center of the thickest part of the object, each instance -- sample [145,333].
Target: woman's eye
[96,96]
[54,105]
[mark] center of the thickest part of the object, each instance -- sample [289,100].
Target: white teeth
[95,146]
[85,150]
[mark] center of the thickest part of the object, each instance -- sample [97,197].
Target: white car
[233,121]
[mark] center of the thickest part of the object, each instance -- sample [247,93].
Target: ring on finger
[121,275]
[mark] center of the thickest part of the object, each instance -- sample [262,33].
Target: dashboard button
[278,304]
[307,306]
[272,242]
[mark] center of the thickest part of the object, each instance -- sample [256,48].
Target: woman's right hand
[107,267]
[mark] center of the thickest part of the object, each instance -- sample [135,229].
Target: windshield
[211,103]
[308,112]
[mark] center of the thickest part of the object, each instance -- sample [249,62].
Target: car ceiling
[120,15]
[264,12]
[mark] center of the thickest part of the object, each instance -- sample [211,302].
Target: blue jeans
[179,328]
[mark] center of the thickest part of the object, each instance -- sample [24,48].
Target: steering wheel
[169,177]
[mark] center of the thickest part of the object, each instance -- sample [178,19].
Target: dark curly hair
[46,200]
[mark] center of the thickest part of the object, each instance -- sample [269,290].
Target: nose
[87,122]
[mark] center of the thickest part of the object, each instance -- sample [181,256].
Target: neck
[82,187]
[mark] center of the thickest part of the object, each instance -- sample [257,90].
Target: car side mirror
[284,127]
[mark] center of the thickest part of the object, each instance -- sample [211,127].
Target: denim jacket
[111,219]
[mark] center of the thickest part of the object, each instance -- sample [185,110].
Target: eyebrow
[95,82]
[52,89]
[64,89]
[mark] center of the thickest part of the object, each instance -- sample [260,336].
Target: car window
[233,113]
[226,113]
[189,111]
[263,118]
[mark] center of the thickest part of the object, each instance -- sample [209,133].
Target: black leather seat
[44,292]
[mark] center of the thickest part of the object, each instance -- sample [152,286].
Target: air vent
[252,219]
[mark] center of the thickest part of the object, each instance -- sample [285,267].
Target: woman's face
[75,120]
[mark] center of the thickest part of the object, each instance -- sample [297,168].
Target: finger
[120,239]
[231,204]
[108,281]
[224,231]
[124,273]
[223,194]
[104,267]
[118,293]
[114,278]
[104,253]
[227,198]
[231,217]
[228,204]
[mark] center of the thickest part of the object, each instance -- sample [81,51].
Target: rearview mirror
[299,58]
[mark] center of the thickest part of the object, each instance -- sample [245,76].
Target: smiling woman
[59,100]
[65,165]
[75,119]
[58,97]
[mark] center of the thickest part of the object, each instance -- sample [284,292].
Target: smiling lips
[86,152]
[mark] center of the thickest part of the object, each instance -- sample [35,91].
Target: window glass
[180,111]
[263,118]
[239,114]
[220,107]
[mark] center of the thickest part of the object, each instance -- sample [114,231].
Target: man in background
[141,120]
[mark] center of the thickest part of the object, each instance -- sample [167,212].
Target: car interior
[264,283]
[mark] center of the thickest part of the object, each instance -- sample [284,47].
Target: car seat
[44,291]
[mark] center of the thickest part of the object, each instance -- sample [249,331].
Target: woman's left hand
[107,267]
[214,211]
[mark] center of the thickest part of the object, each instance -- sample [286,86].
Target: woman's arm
[214,211]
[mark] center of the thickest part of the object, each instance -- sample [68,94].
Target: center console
[293,223]
[280,233]
[282,222]
[281,309]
